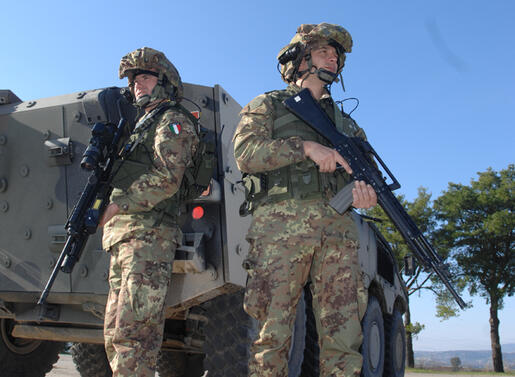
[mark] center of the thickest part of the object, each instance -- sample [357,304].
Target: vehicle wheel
[91,360]
[229,334]
[373,345]
[298,338]
[171,364]
[25,357]
[311,352]
[179,364]
[395,352]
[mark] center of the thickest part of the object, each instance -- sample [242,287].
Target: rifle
[356,152]
[98,158]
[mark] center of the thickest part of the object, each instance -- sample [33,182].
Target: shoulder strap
[143,124]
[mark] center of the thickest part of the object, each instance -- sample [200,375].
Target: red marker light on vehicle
[197,213]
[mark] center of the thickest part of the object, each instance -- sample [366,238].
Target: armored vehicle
[41,144]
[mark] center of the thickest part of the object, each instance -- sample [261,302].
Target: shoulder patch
[175,128]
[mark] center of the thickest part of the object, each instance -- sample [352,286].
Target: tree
[477,225]
[422,213]
[455,363]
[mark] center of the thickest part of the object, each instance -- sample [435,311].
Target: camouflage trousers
[139,275]
[278,272]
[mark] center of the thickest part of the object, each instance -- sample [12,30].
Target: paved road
[66,368]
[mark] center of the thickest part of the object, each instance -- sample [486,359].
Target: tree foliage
[456,363]
[477,224]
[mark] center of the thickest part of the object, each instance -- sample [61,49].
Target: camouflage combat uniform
[142,239]
[295,237]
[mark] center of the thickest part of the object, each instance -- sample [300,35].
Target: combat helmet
[150,61]
[307,37]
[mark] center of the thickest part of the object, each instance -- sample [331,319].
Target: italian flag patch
[175,128]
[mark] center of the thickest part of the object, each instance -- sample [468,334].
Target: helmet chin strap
[323,74]
[326,75]
[158,93]
[143,101]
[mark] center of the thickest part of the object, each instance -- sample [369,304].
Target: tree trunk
[494,336]
[410,356]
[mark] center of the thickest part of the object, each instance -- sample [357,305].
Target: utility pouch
[277,184]
[126,172]
[305,180]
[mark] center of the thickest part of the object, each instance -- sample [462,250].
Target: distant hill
[469,359]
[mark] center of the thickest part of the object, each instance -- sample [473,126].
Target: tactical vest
[303,180]
[140,161]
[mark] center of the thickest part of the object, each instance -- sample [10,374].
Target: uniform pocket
[257,293]
[148,290]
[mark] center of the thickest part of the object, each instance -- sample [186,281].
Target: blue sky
[435,81]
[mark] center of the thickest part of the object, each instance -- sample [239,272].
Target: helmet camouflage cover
[309,36]
[147,59]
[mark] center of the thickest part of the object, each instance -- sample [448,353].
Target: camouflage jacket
[257,151]
[173,146]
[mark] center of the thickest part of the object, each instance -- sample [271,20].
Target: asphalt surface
[66,368]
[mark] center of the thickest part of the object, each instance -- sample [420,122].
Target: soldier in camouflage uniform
[290,173]
[141,231]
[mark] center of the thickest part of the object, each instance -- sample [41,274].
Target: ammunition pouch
[301,181]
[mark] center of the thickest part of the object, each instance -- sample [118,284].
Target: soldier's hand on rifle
[111,210]
[364,195]
[326,158]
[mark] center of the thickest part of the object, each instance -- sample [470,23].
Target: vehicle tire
[373,347]
[171,364]
[298,341]
[26,357]
[229,334]
[179,364]
[311,352]
[395,352]
[91,360]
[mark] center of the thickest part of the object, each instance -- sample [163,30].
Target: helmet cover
[309,36]
[147,59]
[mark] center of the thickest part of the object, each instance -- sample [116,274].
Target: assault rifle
[98,158]
[357,154]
